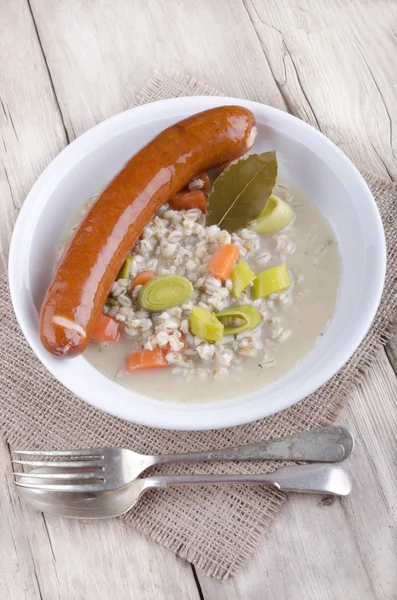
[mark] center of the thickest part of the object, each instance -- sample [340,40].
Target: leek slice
[237,319]
[271,281]
[241,276]
[276,215]
[204,324]
[165,291]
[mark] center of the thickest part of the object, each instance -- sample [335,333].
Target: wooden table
[67,65]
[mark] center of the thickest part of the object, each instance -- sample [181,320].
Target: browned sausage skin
[92,259]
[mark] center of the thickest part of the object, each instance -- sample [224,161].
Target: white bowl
[305,156]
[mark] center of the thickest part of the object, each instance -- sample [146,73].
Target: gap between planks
[291,106]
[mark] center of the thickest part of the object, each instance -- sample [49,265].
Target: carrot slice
[184,200]
[146,359]
[223,260]
[201,182]
[142,278]
[106,330]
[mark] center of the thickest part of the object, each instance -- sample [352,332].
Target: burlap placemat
[215,528]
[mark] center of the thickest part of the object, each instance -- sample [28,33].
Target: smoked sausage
[94,255]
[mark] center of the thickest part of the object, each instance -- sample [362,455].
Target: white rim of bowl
[211,416]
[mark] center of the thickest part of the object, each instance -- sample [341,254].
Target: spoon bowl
[77,505]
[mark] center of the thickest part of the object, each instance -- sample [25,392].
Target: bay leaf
[241,192]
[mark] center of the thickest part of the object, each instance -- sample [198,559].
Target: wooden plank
[45,557]
[326,65]
[100,54]
[18,580]
[31,129]
[305,50]
[121,563]
[334,549]
[362,556]
[38,555]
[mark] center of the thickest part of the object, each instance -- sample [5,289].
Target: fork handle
[330,444]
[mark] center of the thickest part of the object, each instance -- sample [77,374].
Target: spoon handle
[330,444]
[312,479]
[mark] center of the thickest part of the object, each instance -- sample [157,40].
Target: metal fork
[102,469]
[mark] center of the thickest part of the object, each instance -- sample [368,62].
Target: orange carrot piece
[201,182]
[106,330]
[142,278]
[184,200]
[146,359]
[223,260]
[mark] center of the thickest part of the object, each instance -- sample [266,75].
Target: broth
[315,265]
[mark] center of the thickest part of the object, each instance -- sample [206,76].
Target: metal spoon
[315,478]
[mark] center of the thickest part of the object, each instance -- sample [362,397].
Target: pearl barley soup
[201,314]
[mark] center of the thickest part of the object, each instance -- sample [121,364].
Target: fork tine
[59,464]
[54,487]
[88,452]
[80,475]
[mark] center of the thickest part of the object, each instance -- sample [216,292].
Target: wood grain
[51,558]
[334,67]
[17,580]
[109,50]
[326,65]
[331,549]
[31,128]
